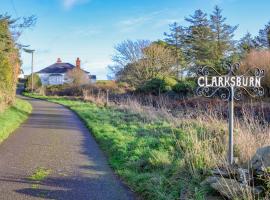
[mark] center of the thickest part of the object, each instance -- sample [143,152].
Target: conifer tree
[176,39]
[246,44]
[263,39]
[199,41]
[222,36]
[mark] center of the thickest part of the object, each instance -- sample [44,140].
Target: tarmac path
[54,140]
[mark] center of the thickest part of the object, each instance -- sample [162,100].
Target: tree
[157,61]
[222,36]
[263,39]
[36,82]
[246,44]
[10,30]
[127,52]
[176,39]
[78,77]
[9,64]
[200,45]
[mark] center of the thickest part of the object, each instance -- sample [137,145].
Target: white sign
[229,81]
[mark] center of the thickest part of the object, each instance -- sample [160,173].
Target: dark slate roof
[58,68]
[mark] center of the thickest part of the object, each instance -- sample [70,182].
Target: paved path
[55,139]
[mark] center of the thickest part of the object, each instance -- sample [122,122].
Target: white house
[57,73]
[21,75]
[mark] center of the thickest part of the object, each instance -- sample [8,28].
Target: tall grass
[251,132]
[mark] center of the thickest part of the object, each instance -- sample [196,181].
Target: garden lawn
[12,117]
[147,154]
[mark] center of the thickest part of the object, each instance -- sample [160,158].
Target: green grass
[40,174]
[151,156]
[11,118]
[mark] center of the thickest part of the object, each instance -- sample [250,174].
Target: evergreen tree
[263,40]
[246,44]
[199,40]
[222,36]
[176,39]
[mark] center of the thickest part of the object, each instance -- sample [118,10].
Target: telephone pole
[32,66]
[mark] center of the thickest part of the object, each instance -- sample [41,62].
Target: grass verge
[11,118]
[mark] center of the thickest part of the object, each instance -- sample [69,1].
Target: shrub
[158,85]
[185,87]
[154,86]
[36,82]
[171,82]
[258,59]
[9,64]
[78,77]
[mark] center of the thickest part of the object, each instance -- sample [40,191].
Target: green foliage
[9,65]
[40,174]
[9,56]
[264,178]
[246,44]
[222,36]
[185,87]
[176,40]
[263,39]
[158,85]
[13,117]
[36,82]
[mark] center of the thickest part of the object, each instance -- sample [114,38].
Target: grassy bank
[11,118]
[158,160]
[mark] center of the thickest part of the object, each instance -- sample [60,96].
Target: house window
[56,80]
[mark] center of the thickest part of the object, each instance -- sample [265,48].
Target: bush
[78,77]
[9,65]
[258,59]
[158,85]
[36,82]
[185,87]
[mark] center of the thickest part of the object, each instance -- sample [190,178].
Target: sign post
[229,87]
[231,124]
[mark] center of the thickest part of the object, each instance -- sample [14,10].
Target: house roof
[58,68]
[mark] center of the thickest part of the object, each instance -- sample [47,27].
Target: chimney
[78,63]
[58,60]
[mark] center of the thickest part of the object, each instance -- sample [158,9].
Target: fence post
[107,97]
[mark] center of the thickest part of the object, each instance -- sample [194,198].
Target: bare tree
[78,77]
[156,61]
[127,52]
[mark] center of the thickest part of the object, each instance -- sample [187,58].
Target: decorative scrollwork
[238,94]
[225,93]
[231,68]
[255,72]
[254,92]
[205,71]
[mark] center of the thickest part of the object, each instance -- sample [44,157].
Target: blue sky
[90,29]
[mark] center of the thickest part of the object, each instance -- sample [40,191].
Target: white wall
[47,79]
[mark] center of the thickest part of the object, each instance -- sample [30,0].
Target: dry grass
[259,59]
[251,132]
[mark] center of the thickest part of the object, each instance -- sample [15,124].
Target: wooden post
[107,97]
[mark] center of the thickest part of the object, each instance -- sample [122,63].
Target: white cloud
[166,22]
[136,22]
[69,4]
